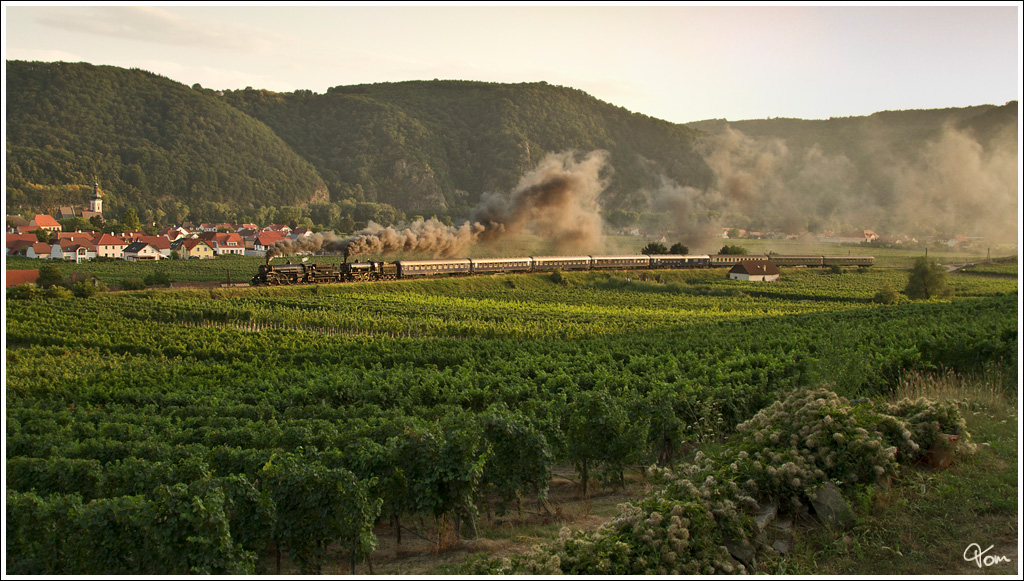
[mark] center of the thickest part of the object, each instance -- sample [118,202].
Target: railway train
[284,274]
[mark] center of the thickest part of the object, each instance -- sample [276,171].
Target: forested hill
[390,151]
[898,129]
[438,145]
[430,147]
[151,142]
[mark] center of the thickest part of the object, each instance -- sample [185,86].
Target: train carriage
[481,265]
[633,261]
[796,260]
[410,268]
[680,260]
[848,260]
[561,262]
[734,259]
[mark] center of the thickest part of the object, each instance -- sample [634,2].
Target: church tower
[96,202]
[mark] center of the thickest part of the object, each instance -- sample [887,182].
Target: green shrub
[58,292]
[85,289]
[22,292]
[887,296]
[134,283]
[158,278]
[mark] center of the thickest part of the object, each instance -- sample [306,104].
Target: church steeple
[96,202]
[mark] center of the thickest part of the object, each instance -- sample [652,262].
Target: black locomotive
[278,274]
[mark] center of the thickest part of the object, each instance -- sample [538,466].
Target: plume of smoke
[557,201]
[953,185]
[312,243]
[429,236]
[959,187]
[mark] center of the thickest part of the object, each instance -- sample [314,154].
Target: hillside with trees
[153,144]
[436,146]
[389,152]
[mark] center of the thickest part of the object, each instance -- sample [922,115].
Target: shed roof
[18,277]
[755,268]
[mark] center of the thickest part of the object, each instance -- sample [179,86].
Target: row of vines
[200,431]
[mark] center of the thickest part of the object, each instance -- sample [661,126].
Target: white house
[761,270]
[70,250]
[141,251]
[39,250]
[110,246]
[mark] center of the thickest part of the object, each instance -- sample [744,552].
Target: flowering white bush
[780,455]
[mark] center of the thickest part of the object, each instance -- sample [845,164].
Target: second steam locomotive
[285,274]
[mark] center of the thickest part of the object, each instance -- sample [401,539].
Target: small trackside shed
[759,271]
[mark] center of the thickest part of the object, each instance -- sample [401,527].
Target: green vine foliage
[316,506]
[520,457]
[181,529]
[297,418]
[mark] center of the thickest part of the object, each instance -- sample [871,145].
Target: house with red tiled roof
[224,242]
[10,239]
[44,221]
[109,246]
[69,250]
[279,228]
[160,242]
[20,277]
[76,236]
[36,250]
[193,248]
[27,229]
[761,270]
[39,250]
[18,247]
[172,233]
[265,240]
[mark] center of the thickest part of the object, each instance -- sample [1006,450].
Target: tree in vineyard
[928,280]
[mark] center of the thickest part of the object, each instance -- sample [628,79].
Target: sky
[673,61]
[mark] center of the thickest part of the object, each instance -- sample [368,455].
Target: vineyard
[215,431]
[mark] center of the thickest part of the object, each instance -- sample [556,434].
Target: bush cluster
[782,455]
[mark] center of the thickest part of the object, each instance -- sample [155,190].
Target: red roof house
[19,277]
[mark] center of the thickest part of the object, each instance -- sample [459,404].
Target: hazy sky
[673,61]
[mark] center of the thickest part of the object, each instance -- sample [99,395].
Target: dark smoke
[313,243]
[557,201]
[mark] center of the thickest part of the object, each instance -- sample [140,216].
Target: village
[43,237]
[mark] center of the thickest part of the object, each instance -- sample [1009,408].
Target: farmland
[209,429]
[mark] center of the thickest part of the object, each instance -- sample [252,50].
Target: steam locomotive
[285,274]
